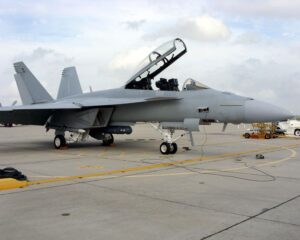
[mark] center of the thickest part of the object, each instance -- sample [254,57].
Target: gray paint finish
[31,90]
[69,85]
[136,102]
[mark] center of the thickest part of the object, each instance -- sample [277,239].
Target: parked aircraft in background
[144,98]
[9,124]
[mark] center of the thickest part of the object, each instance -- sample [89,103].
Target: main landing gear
[108,139]
[60,141]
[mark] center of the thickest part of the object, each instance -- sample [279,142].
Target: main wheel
[108,139]
[174,148]
[297,132]
[59,141]
[165,148]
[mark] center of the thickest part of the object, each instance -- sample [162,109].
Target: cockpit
[156,62]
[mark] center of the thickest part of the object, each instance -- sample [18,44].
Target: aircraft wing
[40,106]
[38,114]
[35,114]
[83,102]
[101,102]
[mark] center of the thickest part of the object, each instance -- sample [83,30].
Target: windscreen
[191,84]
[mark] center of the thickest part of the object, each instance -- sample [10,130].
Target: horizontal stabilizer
[30,89]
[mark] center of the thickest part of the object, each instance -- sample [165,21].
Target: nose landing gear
[168,148]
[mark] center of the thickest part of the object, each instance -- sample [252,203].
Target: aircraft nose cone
[257,111]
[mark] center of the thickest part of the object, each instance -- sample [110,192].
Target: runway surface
[215,190]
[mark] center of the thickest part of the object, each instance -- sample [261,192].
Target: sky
[251,48]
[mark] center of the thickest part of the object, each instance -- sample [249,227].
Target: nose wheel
[173,148]
[168,148]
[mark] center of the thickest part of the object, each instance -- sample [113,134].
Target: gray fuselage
[223,107]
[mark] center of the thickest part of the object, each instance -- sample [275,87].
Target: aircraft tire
[297,132]
[165,148]
[108,141]
[59,141]
[174,148]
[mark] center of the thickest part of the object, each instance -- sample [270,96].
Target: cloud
[202,28]
[267,8]
[45,63]
[248,47]
[267,80]
[135,25]
[248,38]
[44,54]
[10,94]
[129,59]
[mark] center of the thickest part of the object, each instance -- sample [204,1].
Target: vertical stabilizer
[70,84]
[30,89]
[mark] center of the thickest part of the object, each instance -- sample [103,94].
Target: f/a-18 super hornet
[143,98]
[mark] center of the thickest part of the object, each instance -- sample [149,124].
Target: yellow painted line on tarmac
[46,176]
[159,165]
[11,183]
[91,167]
[291,156]
[162,174]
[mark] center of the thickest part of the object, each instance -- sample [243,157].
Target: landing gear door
[103,117]
[191,124]
[85,119]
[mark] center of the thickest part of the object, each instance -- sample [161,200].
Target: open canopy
[155,63]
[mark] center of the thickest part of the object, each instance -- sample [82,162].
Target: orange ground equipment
[262,131]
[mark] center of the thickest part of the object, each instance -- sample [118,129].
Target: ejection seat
[167,85]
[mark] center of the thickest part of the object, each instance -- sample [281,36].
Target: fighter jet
[145,97]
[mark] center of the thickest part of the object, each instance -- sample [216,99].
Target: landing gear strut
[168,146]
[60,141]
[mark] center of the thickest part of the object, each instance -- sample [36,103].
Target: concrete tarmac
[215,190]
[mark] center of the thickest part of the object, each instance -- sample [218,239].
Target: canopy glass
[155,63]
